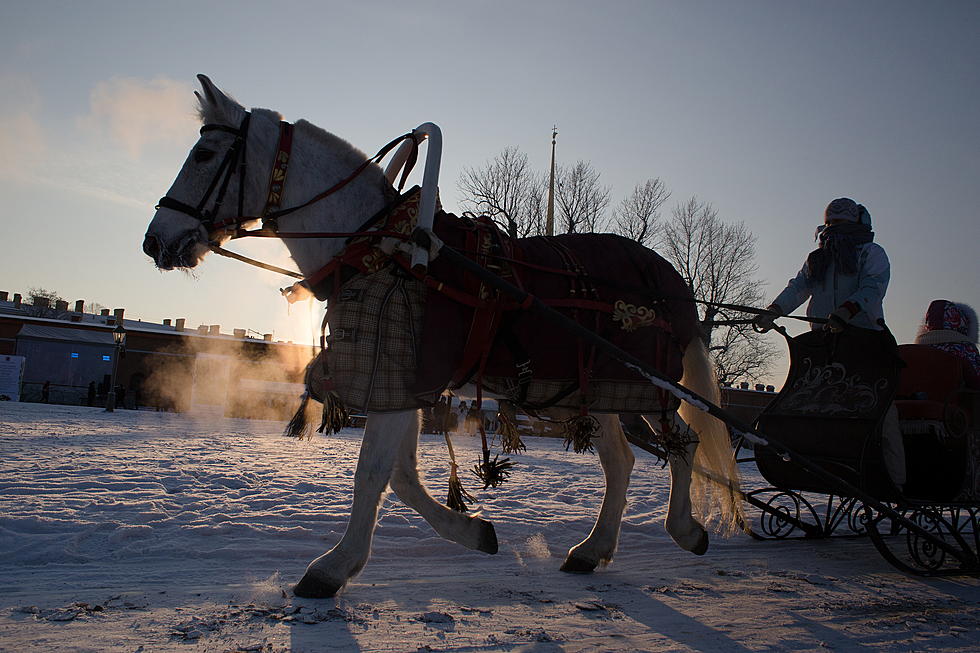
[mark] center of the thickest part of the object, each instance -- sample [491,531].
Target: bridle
[235,159]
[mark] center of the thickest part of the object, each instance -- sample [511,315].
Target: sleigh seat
[938,423]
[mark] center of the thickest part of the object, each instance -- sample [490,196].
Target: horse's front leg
[616,459]
[681,525]
[471,532]
[327,574]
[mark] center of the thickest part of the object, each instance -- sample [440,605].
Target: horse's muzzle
[187,253]
[151,246]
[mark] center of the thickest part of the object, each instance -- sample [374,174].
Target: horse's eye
[201,155]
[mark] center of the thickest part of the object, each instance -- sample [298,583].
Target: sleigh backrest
[929,373]
[936,419]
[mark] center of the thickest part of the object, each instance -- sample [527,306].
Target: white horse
[213,185]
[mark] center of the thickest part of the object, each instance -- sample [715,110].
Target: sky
[766,109]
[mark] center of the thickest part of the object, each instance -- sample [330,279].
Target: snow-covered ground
[141,531]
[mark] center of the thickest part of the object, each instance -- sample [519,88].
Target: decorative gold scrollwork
[633,317]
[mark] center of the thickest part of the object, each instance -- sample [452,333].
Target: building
[747,403]
[165,366]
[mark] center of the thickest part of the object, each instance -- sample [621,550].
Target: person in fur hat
[952,327]
[845,278]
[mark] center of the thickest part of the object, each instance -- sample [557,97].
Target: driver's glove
[767,321]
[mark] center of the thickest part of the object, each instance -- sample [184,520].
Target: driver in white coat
[845,279]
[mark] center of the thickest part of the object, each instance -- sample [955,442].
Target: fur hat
[844,208]
[947,321]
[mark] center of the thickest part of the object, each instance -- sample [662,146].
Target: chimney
[240,333]
[16,300]
[3,295]
[80,306]
[179,324]
[104,312]
[202,329]
[214,330]
[61,306]
[267,337]
[166,322]
[118,314]
[744,385]
[760,387]
[770,388]
[41,302]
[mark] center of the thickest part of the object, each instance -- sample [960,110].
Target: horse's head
[207,188]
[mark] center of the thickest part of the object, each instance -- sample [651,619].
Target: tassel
[335,414]
[493,472]
[510,436]
[457,498]
[579,432]
[672,440]
[299,426]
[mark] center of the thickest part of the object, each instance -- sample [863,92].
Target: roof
[41,332]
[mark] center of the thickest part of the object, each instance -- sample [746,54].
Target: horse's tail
[714,487]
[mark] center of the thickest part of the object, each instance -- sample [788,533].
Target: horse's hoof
[702,546]
[488,538]
[311,588]
[575,565]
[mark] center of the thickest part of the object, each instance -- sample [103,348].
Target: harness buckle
[343,334]
[351,295]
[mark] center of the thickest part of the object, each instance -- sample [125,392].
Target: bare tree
[638,213]
[717,259]
[536,210]
[44,308]
[580,198]
[505,187]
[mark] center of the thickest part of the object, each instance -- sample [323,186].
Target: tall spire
[550,223]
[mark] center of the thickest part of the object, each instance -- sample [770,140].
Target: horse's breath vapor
[213,376]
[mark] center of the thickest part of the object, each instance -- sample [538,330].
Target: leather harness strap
[277,176]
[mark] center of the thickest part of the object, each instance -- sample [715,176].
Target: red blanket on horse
[623,291]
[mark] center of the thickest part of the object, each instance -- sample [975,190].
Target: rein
[236,159]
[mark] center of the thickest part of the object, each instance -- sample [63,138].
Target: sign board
[11,377]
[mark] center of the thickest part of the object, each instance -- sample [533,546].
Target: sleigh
[832,411]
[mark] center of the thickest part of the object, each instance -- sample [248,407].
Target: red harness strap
[486,317]
[277,177]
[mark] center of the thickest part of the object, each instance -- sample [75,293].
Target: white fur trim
[971,321]
[940,336]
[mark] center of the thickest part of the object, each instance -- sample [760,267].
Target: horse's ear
[216,106]
[211,92]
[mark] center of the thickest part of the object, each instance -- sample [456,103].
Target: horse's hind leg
[471,532]
[616,459]
[681,524]
[331,571]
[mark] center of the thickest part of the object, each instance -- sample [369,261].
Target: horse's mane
[333,142]
[208,112]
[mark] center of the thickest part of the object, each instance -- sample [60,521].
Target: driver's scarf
[839,247]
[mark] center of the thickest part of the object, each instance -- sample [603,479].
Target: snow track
[166,532]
